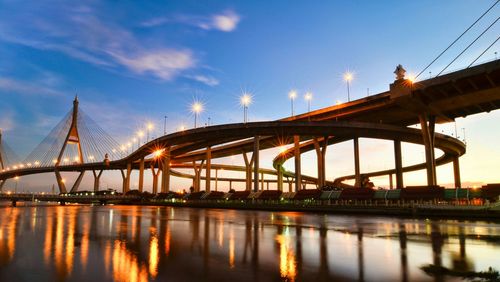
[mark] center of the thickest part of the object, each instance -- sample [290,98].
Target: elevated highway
[383,116]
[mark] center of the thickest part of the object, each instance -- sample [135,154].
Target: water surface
[134,243]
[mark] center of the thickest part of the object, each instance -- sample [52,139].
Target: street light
[292,95]
[245,101]
[308,98]
[149,126]
[196,108]
[348,77]
[17,180]
[140,133]
[165,126]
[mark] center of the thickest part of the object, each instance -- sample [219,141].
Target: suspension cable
[458,38]
[468,46]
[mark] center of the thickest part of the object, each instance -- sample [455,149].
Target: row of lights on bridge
[196,108]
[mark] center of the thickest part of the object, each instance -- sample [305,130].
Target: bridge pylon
[72,137]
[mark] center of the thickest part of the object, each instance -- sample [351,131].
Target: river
[142,243]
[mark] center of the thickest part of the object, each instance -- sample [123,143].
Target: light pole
[245,101]
[133,142]
[17,180]
[140,133]
[308,98]
[165,126]
[348,76]
[149,126]
[196,108]
[292,95]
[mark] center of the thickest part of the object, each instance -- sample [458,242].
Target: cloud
[155,22]
[165,64]
[82,34]
[208,80]
[226,21]
[26,87]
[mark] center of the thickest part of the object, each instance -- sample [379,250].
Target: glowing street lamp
[140,133]
[292,95]
[135,140]
[348,77]
[196,108]
[245,101]
[308,98]
[149,127]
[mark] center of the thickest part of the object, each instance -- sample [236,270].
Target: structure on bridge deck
[385,116]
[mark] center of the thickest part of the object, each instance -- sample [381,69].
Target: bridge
[77,144]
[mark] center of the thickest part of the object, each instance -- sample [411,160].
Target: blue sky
[131,62]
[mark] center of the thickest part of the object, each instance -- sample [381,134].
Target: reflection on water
[131,243]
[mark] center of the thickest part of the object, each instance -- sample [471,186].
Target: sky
[134,62]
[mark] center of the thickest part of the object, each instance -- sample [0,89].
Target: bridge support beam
[208,168]
[261,181]
[165,173]
[320,156]
[427,124]
[60,181]
[279,181]
[126,178]
[398,160]
[255,157]
[77,182]
[156,173]
[296,152]
[357,174]
[248,170]
[2,182]
[197,176]
[456,172]
[141,175]
[97,177]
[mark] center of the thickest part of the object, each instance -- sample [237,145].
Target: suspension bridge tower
[72,138]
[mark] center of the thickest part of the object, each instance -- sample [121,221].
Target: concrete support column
[197,176]
[357,173]
[216,178]
[165,171]
[261,181]
[398,160]
[320,156]
[141,175]
[155,174]
[60,181]
[126,178]
[78,181]
[456,172]
[279,182]
[248,170]
[97,177]
[1,184]
[208,168]
[427,124]
[255,157]
[296,152]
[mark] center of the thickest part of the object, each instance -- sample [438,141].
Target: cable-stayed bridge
[78,144]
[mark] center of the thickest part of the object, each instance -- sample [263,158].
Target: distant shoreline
[418,211]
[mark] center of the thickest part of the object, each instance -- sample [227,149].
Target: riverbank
[487,212]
